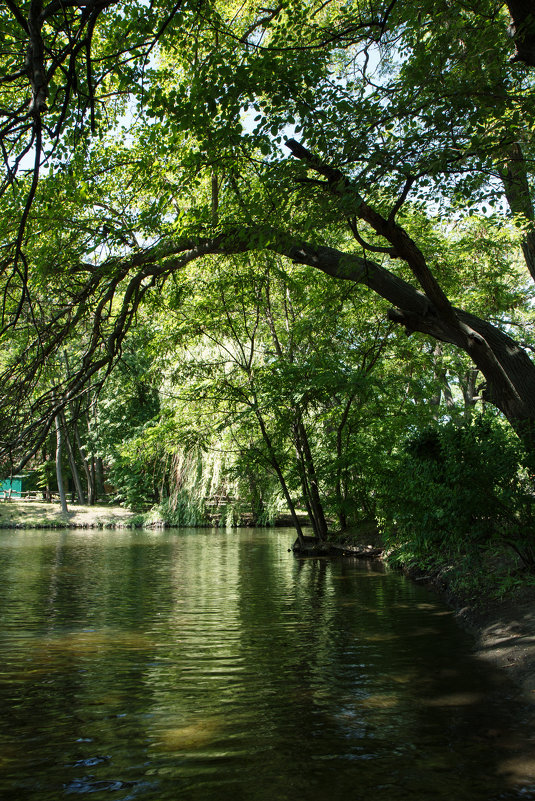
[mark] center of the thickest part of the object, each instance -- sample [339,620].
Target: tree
[455,492]
[55,76]
[402,110]
[281,374]
[523,29]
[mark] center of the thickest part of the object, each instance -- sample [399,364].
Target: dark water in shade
[214,665]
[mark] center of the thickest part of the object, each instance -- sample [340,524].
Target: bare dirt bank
[504,634]
[503,630]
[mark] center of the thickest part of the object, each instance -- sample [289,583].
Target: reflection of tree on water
[217,665]
[54,577]
[355,668]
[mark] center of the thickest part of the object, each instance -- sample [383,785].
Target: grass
[38,514]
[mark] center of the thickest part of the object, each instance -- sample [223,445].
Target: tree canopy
[387,144]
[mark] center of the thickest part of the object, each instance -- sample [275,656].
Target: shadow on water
[215,665]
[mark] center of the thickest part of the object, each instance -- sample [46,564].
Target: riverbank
[38,514]
[502,626]
[503,629]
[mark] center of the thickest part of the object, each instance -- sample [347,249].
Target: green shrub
[456,490]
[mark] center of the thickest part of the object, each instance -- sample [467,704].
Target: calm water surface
[214,665]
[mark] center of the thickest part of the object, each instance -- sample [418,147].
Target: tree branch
[403,246]
[506,367]
[17,13]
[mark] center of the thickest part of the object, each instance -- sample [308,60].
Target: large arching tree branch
[509,372]
[523,29]
[119,286]
[402,245]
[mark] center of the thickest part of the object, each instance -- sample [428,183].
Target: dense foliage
[218,223]
[459,491]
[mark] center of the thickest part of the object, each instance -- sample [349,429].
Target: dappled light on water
[194,735]
[454,699]
[206,665]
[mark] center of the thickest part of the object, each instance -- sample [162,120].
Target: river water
[204,665]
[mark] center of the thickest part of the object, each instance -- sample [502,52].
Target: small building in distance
[17,486]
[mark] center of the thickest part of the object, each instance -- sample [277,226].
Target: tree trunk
[306,491]
[75,412]
[468,388]
[303,446]
[59,470]
[72,461]
[90,462]
[523,29]
[257,502]
[83,459]
[276,466]
[47,493]
[93,473]
[340,484]
[441,377]
[517,192]
[99,478]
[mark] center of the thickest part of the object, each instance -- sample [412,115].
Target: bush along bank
[456,511]
[458,503]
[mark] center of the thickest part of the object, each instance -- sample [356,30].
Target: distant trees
[282,362]
[278,390]
[387,144]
